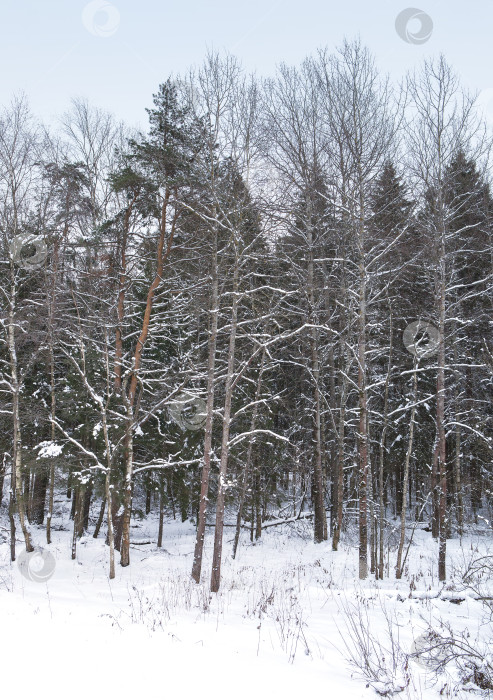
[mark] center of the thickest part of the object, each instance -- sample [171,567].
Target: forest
[273,305]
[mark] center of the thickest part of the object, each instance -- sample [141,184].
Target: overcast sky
[117,53]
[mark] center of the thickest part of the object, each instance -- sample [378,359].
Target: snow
[49,449]
[277,628]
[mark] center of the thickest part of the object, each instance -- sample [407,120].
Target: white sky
[48,52]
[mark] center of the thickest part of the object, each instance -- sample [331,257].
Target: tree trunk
[117,520]
[129,399]
[362,436]
[435,518]
[77,518]
[40,485]
[320,519]
[457,461]
[221,495]
[51,493]
[2,479]
[100,518]
[161,513]
[86,507]
[381,504]
[246,472]
[206,469]
[405,487]
[258,508]
[111,536]
[17,442]
[148,499]
[442,467]
[12,522]
[340,463]
[127,494]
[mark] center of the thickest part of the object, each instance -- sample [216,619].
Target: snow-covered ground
[278,627]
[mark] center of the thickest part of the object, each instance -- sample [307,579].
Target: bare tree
[360,123]
[19,177]
[442,125]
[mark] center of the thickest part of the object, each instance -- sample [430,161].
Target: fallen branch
[300,516]
[270,523]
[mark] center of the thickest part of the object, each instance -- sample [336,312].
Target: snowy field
[282,626]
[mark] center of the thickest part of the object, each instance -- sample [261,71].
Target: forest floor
[288,618]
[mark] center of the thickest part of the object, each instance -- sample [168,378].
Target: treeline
[276,302]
